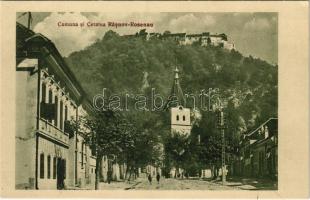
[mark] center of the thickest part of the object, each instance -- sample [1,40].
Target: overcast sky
[253,34]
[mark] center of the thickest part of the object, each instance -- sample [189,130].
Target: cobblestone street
[189,184]
[119,185]
[179,184]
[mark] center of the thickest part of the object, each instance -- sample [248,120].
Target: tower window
[177,117]
[183,117]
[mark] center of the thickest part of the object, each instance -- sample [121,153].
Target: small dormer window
[183,117]
[177,117]
[180,108]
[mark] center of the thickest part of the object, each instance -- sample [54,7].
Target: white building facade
[48,99]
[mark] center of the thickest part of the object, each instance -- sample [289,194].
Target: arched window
[50,96]
[177,117]
[183,117]
[43,92]
[66,113]
[48,166]
[56,109]
[41,165]
[50,100]
[61,115]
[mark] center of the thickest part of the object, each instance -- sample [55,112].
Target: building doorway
[61,173]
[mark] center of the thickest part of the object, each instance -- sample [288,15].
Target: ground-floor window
[54,167]
[41,165]
[48,166]
[64,167]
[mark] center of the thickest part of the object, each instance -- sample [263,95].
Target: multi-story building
[84,162]
[259,152]
[48,98]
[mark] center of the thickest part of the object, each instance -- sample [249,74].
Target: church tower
[179,115]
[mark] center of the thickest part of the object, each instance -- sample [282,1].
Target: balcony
[53,132]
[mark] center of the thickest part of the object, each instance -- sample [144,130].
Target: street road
[179,184]
[189,184]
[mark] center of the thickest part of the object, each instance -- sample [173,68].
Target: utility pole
[222,125]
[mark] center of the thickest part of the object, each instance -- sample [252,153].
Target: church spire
[176,97]
[176,74]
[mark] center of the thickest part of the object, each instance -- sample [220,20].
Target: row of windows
[49,163]
[82,155]
[50,100]
[178,118]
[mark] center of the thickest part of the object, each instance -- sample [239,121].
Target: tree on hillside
[249,85]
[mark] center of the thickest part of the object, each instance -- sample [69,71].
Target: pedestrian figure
[150,179]
[158,178]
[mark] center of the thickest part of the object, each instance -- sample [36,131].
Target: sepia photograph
[146,101]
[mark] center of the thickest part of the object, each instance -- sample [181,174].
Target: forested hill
[134,65]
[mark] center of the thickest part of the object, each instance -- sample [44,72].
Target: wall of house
[206,173]
[92,169]
[116,172]
[81,164]
[216,40]
[72,150]
[86,163]
[229,46]
[104,168]
[49,148]
[259,162]
[25,136]
[72,162]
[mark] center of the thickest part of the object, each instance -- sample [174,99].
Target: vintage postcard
[155,100]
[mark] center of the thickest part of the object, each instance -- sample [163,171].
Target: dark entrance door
[60,173]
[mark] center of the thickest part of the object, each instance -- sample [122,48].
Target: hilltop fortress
[203,39]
